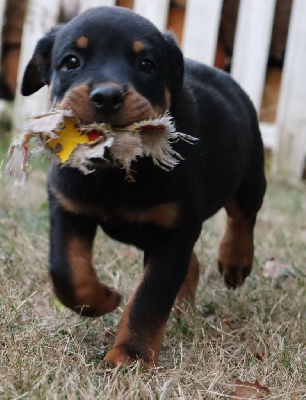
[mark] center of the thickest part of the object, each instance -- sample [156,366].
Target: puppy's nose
[107,99]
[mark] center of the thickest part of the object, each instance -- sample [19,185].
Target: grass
[255,332]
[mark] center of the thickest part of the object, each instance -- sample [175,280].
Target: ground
[256,332]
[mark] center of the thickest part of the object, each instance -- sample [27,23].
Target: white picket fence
[287,136]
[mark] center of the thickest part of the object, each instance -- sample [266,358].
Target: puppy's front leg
[74,278]
[144,319]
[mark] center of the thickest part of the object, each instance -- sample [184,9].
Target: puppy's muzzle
[107,100]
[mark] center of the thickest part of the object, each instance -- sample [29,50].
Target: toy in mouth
[71,143]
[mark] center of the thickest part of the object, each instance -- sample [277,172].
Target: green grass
[255,332]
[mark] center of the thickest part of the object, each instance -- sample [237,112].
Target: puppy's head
[107,65]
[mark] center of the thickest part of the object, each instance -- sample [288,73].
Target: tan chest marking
[164,215]
[75,207]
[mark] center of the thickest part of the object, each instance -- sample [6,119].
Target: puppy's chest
[163,214]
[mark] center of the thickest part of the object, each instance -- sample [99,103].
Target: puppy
[112,65]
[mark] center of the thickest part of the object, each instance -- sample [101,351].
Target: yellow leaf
[69,138]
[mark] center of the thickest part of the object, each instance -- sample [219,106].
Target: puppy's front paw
[118,356]
[97,301]
[234,275]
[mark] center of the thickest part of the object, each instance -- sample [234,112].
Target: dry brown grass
[255,332]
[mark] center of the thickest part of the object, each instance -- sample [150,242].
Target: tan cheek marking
[138,46]
[77,100]
[167,99]
[135,108]
[159,110]
[82,42]
[167,103]
[164,215]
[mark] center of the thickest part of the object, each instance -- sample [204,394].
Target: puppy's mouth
[109,103]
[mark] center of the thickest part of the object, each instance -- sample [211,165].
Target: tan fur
[77,100]
[236,249]
[82,42]
[135,107]
[152,340]
[138,46]
[89,291]
[167,99]
[164,215]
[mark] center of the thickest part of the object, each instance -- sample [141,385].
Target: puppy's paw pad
[234,276]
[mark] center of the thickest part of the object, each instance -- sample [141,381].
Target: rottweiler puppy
[111,65]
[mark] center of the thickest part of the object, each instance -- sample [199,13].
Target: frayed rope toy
[80,146]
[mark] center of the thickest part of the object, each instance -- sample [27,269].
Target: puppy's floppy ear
[176,62]
[38,71]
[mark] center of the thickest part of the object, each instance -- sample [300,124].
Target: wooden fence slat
[251,47]
[85,4]
[201,30]
[291,114]
[5,106]
[2,10]
[40,17]
[156,11]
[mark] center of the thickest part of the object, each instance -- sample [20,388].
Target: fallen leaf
[273,269]
[247,390]
[260,356]
[229,323]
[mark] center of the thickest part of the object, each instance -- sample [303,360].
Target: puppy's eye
[70,62]
[147,65]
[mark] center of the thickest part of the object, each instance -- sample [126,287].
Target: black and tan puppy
[111,65]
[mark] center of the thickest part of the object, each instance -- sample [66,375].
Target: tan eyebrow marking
[138,46]
[82,42]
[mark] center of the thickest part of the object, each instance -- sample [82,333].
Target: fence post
[201,30]
[2,10]
[41,15]
[85,4]
[156,11]
[291,115]
[251,47]
[5,106]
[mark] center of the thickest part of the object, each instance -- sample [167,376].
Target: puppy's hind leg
[75,281]
[236,249]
